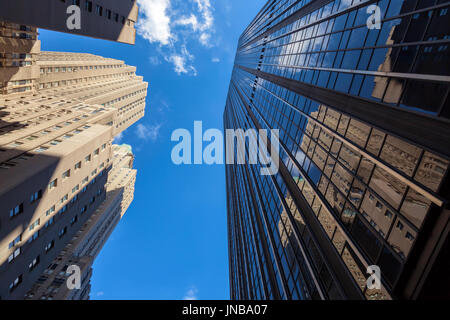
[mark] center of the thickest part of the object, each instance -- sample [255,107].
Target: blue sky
[172,242]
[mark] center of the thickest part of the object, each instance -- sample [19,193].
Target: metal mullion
[354,246]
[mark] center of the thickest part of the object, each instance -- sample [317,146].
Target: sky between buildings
[172,242]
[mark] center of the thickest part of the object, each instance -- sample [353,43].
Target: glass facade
[363,128]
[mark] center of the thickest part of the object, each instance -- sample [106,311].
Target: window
[74,219]
[65,198]
[34,224]
[55,142]
[93,173]
[36,196]
[34,263]
[53,184]
[50,211]
[15,241]
[96,152]
[15,283]
[63,209]
[99,10]
[16,211]
[42,279]
[74,199]
[85,180]
[33,237]
[388,214]
[379,205]
[49,246]
[87,158]
[66,174]
[104,147]
[409,236]
[14,255]
[49,222]
[58,282]
[84,209]
[78,166]
[88,6]
[62,232]
[400,225]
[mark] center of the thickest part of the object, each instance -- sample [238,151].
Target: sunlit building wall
[59,113]
[91,237]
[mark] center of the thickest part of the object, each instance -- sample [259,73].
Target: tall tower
[363,180]
[91,237]
[59,113]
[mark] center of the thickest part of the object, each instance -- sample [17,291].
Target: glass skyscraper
[363,117]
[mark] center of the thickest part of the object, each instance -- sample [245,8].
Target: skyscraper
[91,237]
[364,134]
[59,114]
[104,19]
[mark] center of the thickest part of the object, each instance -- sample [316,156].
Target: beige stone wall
[75,106]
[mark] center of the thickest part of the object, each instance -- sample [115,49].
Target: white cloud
[215,60]
[154,60]
[205,39]
[191,21]
[182,62]
[191,294]
[118,138]
[148,132]
[172,24]
[163,106]
[207,27]
[154,22]
[204,6]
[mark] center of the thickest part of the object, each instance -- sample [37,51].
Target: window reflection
[431,171]
[402,237]
[358,132]
[400,155]
[388,187]
[415,207]
[376,214]
[375,141]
